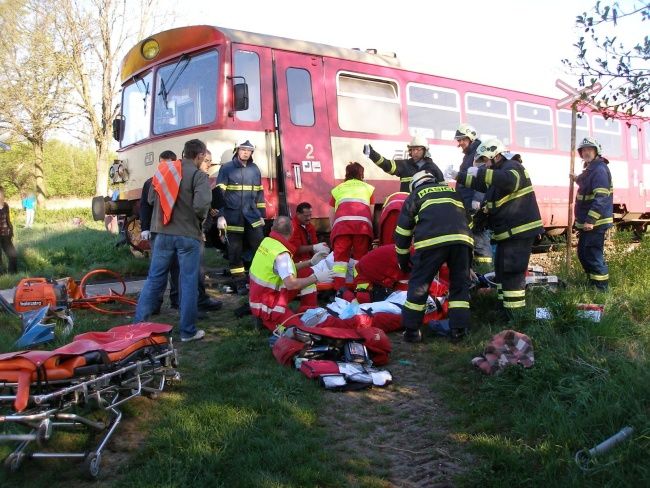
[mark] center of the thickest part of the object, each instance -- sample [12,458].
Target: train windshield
[136,109]
[186,93]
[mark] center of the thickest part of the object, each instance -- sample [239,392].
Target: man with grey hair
[273,275]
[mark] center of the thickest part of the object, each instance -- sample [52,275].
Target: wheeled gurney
[45,391]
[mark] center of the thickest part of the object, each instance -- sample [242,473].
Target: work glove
[450,173]
[371,153]
[145,235]
[405,265]
[221,223]
[472,170]
[318,257]
[324,275]
[476,205]
[321,247]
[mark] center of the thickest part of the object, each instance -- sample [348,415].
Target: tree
[606,54]
[33,76]
[94,33]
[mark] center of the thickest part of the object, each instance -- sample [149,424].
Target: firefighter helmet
[489,149]
[421,177]
[590,142]
[245,145]
[465,130]
[419,141]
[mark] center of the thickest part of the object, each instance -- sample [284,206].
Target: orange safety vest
[167,183]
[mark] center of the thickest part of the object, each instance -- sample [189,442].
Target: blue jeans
[165,248]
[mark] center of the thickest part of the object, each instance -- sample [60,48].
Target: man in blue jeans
[181,196]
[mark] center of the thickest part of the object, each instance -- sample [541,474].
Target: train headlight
[150,48]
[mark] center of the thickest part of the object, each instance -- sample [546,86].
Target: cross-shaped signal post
[572,99]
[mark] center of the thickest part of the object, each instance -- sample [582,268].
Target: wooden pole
[574,119]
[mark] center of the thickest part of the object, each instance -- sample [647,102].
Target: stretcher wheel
[91,464]
[13,461]
[43,432]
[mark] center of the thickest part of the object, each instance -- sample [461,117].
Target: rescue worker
[468,142]
[273,276]
[389,215]
[593,212]
[244,209]
[304,237]
[512,215]
[419,160]
[350,220]
[434,221]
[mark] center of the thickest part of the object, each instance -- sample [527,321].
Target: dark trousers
[592,257]
[426,264]
[252,236]
[10,251]
[482,247]
[510,266]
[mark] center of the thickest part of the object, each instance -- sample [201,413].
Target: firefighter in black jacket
[434,221]
[405,168]
[244,208]
[513,217]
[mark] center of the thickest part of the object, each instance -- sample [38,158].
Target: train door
[303,127]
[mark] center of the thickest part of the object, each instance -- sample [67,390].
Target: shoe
[242,290]
[210,305]
[200,334]
[457,335]
[412,335]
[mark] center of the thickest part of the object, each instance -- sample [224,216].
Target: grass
[239,419]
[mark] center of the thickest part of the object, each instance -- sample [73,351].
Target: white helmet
[419,178]
[419,141]
[465,130]
[489,149]
[245,145]
[590,142]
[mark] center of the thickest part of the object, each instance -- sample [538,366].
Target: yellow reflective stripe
[442,239]
[243,187]
[488,176]
[403,232]
[222,186]
[261,205]
[237,270]
[514,293]
[604,191]
[483,259]
[258,187]
[607,220]
[234,228]
[516,173]
[406,179]
[440,200]
[393,167]
[401,251]
[582,198]
[458,304]
[593,214]
[517,304]
[386,201]
[517,230]
[415,306]
[468,180]
[363,286]
[511,196]
[597,277]
[257,223]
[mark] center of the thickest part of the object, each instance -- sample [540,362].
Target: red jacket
[302,236]
[380,267]
[352,200]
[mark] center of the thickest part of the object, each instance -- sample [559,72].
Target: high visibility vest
[167,183]
[267,294]
[352,208]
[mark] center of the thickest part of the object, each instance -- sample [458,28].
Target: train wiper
[136,79]
[171,80]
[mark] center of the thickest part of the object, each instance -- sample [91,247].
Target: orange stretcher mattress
[105,348]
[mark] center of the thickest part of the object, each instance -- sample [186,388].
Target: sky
[512,44]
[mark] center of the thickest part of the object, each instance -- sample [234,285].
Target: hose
[93,302]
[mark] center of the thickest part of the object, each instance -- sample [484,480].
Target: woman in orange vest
[350,220]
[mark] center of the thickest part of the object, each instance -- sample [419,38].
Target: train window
[608,133]
[247,64]
[368,104]
[186,92]
[490,116]
[533,126]
[432,112]
[564,129]
[634,142]
[301,100]
[646,137]
[136,109]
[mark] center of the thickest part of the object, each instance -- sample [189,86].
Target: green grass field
[239,419]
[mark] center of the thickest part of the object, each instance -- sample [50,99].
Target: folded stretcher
[44,391]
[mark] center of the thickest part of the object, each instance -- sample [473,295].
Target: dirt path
[402,431]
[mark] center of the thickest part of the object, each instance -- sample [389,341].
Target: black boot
[457,335]
[412,335]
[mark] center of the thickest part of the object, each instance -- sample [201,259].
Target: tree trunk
[38,172]
[101,165]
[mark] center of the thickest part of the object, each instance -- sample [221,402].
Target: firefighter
[419,160]
[593,212]
[273,275]
[434,221]
[468,142]
[512,216]
[350,220]
[240,183]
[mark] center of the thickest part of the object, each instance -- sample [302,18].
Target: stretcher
[42,392]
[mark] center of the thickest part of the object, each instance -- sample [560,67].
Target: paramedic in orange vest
[350,221]
[389,215]
[273,276]
[180,196]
